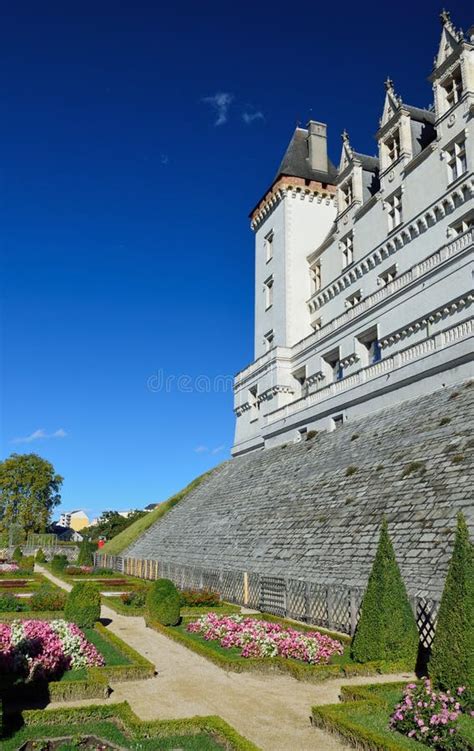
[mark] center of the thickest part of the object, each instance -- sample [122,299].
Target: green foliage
[136,598]
[110,524]
[387,629]
[412,467]
[40,556]
[163,602]
[452,660]
[135,530]
[26,564]
[59,563]
[10,604]
[351,470]
[200,598]
[17,554]
[86,553]
[29,490]
[48,598]
[83,604]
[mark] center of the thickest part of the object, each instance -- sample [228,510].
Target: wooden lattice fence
[329,606]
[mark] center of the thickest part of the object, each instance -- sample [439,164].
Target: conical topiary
[387,629]
[452,659]
[163,603]
[86,553]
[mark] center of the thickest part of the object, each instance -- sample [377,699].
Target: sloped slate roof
[369,163]
[295,163]
[416,113]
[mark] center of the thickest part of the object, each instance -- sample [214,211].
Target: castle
[363,273]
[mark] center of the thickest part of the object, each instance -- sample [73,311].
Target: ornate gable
[450,39]
[392,103]
[347,153]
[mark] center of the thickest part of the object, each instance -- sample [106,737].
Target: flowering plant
[9,568]
[430,717]
[258,638]
[35,650]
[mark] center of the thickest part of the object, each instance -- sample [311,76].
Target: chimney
[317,146]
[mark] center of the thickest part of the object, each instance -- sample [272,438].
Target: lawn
[118,724]
[363,716]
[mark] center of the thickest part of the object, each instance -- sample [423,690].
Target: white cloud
[220,103]
[207,450]
[40,434]
[218,449]
[251,117]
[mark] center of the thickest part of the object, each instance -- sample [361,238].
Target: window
[337,422]
[453,88]
[355,298]
[392,145]
[269,338]
[315,272]
[375,351]
[301,435]
[387,276]
[456,160]
[268,245]
[347,250]
[394,206]
[300,376]
[347,195]
[463,225]
[335,365]
[268,292]
[254,403]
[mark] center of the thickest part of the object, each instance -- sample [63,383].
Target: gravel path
[271,710]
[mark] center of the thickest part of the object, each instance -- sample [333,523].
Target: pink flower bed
[44,649]
[9,568]
[429,716]
[257,638]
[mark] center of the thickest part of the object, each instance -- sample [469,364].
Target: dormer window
[269,339]
[392,146]
[315,273]
[347,250]
[456,160]
[453,88]
[347,194]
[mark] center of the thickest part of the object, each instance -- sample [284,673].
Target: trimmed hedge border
[339,719]
[123,717]
[300,670]
[96,683]
[28,615]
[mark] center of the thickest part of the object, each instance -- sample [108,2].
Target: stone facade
[312,510]
[363,274]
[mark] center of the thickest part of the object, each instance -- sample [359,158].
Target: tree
[110,524]
[452,658]
[29,490]
[387,629]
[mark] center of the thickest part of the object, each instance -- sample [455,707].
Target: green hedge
[387,628]
[452,661]
[163,602]
[83,604]
[139,666]
[300,670]
[57,722]
[362,719]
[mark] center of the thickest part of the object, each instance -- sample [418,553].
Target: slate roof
[416,113]
[295,163]
[369,163]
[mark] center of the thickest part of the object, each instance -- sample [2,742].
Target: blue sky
[134,140]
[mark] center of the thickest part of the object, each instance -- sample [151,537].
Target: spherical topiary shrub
[83,604]
[59,563]
[40,556]
[163,603]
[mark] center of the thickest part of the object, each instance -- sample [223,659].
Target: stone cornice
[397,240]
[309,189]
[421,323]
